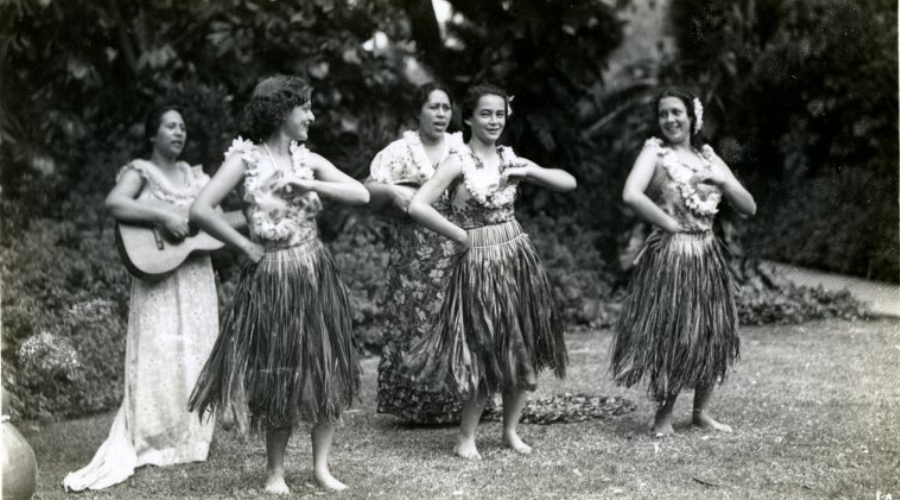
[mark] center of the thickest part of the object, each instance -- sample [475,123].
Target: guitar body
[149,253]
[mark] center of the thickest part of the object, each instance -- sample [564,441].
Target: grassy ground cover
[816,411]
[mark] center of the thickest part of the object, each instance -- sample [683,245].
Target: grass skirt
[498,326]
[286,350]
[679,322]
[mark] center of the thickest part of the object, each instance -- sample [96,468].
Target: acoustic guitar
[150,253]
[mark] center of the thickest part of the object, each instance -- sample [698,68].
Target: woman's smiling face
[296,125]
[488,119]
[674,121]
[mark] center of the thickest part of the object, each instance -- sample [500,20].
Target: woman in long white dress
[172,323]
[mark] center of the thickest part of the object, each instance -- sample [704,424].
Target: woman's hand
[714,175]
[515,174]
[253,251]
[401,197]
[293,185]
[462,243]
[177,226]
[672,226]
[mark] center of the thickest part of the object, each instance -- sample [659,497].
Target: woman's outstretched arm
[553,179]
[331,183]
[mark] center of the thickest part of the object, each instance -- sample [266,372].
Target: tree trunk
[425,31]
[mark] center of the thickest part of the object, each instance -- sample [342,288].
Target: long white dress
[172,325]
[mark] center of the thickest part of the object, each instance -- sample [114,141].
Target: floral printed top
[676,188]
[277,219]
[483,199]
[404,161]
[159,187]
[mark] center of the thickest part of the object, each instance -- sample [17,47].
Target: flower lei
[683,174]
[413,165]
[262,196]
[161,187]
[484,187]
[246,148]
[300,159]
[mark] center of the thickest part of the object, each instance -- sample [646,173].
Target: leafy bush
[577,271]
[362,257]
[63,287]
[765,298]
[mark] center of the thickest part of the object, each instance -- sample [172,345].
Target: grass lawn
[815,407]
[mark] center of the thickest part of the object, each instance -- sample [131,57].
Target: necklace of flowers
[161,186]
[682,173]
[484,186]
[284,228]
[418,155]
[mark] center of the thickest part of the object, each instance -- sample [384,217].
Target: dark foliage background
[77,76]
[803,103]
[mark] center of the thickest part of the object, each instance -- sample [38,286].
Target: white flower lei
[484,186]
[265,227]
[300,160]
[400,165]
[682,174]
[246,148]
[161,187]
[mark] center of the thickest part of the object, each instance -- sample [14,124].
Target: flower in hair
[698,116]
[509,101]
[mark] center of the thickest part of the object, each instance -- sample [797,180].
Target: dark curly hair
[685,97]
[420,96]
[272,101]
[153,120]
[476,92]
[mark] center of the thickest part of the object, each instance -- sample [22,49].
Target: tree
[803,102]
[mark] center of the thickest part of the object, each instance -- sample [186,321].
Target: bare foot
[662,423]
[275,484]
[513,441]
[327,481]
[465,448]
[663,430]
[702,419]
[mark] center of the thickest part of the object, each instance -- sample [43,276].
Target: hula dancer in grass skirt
[498,326]
[286,346]
[678,327]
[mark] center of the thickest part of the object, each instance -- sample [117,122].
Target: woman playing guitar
[172,323]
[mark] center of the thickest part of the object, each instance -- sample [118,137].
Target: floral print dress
[417,269]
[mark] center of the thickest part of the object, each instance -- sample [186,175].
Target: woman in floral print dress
[678,326]
[286,347]
[419,258]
